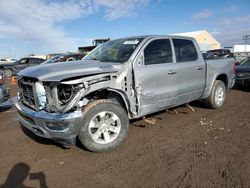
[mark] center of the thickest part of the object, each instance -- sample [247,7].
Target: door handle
[172,72]
[198,67]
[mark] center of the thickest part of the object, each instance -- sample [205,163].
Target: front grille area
[27,94]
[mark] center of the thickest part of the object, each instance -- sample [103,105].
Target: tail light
[2,81]
[234,68]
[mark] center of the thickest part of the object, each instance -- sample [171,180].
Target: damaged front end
[51,97]
[54,109]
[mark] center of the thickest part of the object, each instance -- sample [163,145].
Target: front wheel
[7,73]
[104,127]
[217,96]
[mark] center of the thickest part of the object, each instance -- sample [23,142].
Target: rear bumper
[62,128]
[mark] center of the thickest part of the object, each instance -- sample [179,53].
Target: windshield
[53,59]
[114,51]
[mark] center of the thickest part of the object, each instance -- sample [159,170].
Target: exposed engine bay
[64,96]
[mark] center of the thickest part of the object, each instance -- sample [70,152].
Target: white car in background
[8,60]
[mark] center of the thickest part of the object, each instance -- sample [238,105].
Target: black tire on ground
[8,73]
[101,114]
[217,96]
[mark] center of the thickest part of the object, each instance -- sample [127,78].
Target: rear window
[184,50]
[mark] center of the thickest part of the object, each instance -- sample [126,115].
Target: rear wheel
[217,96]
[104,127]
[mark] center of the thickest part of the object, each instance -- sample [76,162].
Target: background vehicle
[64,57]
[120,80]
[86,49]
[243,73]
[4,92]
[13,68]
[219,53]
[4,61]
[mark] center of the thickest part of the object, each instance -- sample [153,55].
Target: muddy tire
[8,73]
[217,96]
[104,126]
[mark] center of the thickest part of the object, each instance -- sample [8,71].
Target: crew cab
[120,80]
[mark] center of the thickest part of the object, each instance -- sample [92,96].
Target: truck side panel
[216,68]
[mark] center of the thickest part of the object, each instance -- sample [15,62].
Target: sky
[50,26]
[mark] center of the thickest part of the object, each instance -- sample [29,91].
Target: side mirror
[140,59]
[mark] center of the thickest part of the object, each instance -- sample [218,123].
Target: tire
[8,73]
[71,59]
[217,96]
[104,126]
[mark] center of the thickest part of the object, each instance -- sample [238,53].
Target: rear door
[156,76]
[192,71]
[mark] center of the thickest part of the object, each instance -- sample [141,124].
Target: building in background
[205,40]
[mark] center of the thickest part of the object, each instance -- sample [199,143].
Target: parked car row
[7,60]
[11,69]
[64,57]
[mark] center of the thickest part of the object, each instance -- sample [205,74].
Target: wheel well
[223,78]
[107,94]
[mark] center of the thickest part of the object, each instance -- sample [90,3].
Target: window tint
[157,52]
[24,60]
[246,63]
[184,50]
[35,61]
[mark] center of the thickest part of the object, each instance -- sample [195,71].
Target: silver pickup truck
[123,79]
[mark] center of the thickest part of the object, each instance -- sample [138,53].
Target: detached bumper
[62,128]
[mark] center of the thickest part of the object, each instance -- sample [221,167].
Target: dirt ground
[205,148]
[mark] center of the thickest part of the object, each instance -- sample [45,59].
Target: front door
[22,64]
[156,77]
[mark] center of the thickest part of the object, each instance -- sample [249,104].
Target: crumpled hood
[56,72]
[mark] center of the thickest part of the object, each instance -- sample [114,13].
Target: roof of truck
[155,36]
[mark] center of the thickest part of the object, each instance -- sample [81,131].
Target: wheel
[71,59]
[104,126]
[7,73]
[217,96]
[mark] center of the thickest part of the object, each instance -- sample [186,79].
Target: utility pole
[245,38]
[9,50]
